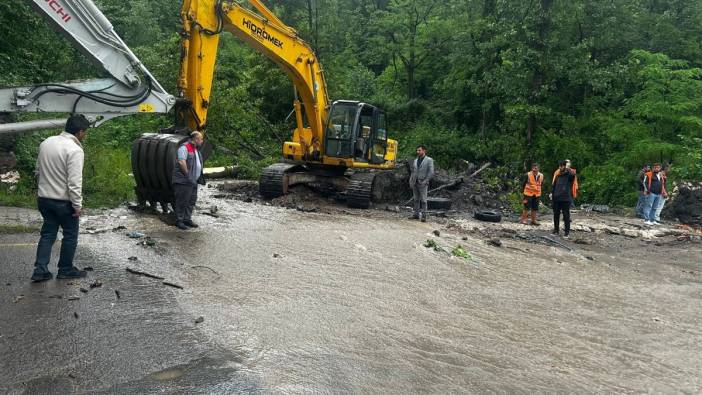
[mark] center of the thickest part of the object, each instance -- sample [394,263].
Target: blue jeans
[56,213]
[640,205]
[658,208]
[650,206]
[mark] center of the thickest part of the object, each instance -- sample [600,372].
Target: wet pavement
[308,302]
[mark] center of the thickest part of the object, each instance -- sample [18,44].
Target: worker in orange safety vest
[531,187]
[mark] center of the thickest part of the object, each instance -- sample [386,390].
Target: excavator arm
[130,87]
[203,20]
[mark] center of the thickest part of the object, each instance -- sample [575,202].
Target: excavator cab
[356,130]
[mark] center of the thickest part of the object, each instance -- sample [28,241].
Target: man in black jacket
[562,196]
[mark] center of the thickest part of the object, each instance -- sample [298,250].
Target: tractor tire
[488,215]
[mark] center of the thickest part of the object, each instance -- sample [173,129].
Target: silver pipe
[30,126]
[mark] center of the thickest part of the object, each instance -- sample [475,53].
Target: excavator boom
[203,20]
[129,89]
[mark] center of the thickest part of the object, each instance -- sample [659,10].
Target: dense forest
[610,84]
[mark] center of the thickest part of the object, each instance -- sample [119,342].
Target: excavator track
[360,190]
[274,180]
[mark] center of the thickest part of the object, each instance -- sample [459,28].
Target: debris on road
[135,235]
[147,242]
[207,267]
[132,258]
[495,242]
[145,274]
[170,284]
[488,215]
[436,233]
[200,320]
[73,298]
[556,242]
[96,284]
[75,315]
[93,231]
[88,268]
[276,255]
[85,291]
[459,251]
[117,294]
[598,208]
[430,243]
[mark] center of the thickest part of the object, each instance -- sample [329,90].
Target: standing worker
[641,202]
[187,174]
[531,187]
[60,198]
[422,172]
[654,189]
[562,196]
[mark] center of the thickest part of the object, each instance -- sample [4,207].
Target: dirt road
[313,302]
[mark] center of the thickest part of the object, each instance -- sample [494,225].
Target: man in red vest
[531,187]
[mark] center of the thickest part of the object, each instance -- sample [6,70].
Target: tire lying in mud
[488,215]
[439,204]
[153,160]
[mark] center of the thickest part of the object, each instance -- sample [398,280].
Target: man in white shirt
[60,197]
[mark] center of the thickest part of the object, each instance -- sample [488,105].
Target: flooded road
[310,302]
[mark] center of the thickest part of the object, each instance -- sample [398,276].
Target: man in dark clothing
[187,174]
[422,172]
[562,195]
[656,193]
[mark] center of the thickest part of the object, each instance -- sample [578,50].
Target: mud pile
[464,192]
[685,203]
[391,188]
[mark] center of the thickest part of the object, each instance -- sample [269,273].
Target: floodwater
[354,303]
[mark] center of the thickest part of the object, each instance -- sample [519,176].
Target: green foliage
[515,200]
[431,243]
[460,252]
[609,85]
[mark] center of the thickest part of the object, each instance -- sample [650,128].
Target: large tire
[153,159]
[488,215]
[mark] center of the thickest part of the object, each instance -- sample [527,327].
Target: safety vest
[533,185]
[574,191]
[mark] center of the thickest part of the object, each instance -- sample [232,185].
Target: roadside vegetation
[610,85]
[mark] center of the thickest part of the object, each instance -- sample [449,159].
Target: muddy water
[320,303]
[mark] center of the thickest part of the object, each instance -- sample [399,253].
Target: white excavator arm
[130,89]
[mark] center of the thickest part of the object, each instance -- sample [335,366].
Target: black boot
[181,226]
[190,223]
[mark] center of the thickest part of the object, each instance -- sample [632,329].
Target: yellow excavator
[329,139]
